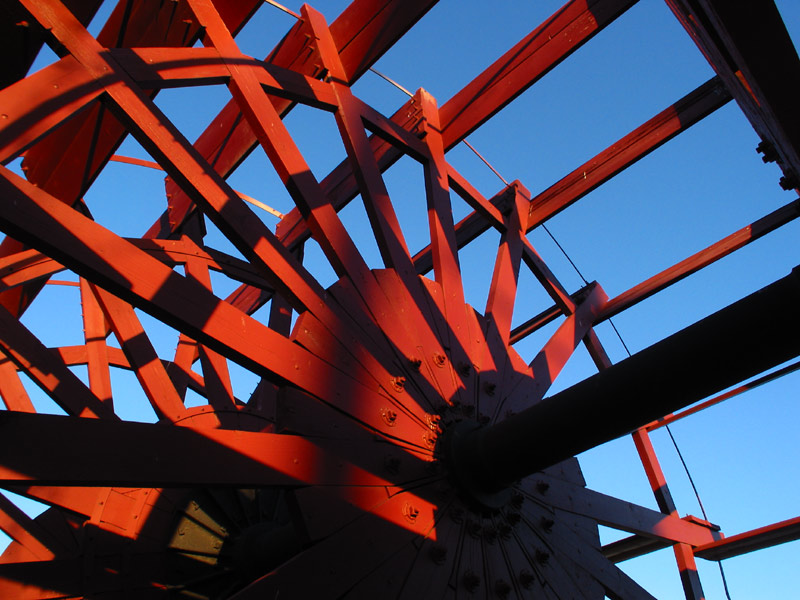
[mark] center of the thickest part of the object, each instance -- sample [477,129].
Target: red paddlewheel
[357,467]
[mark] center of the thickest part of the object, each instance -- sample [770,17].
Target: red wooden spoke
[31,101]
[47,371]
[23,530]
[391,242]
[503,289]
[156,288]
[364,30]
[141,356]
[215,369]
[12,392]
[95,331]
[251,459]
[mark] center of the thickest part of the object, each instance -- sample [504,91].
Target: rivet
[547,524]
[411,513]
[542,487]
[389,416]
[399,383]
[526,578]
[471,581]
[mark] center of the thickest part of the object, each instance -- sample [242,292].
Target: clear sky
[698,188]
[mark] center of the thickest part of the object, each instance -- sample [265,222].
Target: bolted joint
[789,181]
[768,150]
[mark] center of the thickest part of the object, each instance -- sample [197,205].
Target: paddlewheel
[393,443]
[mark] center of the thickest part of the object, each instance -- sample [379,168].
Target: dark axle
[756,333]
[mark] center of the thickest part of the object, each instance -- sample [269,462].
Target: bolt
[410,512]
[438,554]
[465,369]
[439,359]
[768,150]
[526,578]
[547,524]
[542,557]
[505,530]
[399,383]
[471,581]
[517,499]
[789,181]
[513,518]
[389,416]
[22,24]
[415,363]
[542,487]
[474,528]
[489,388]
[502,589]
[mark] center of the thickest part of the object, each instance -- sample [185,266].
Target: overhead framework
[396,445]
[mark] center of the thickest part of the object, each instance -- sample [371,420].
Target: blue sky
[698,188]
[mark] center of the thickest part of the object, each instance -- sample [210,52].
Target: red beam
[362,33]
[699,260]
[626,516]
[757,539]
[637,144]
[748,46]
[21,38]
[528,61]
[121,453]
[729,394]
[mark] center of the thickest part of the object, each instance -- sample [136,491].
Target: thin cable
[284,9]
[486,162]
[392,81]
[470,146]
[700,502]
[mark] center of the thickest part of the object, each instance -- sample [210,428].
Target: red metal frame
[396,434]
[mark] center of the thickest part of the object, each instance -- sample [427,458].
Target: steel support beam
[748,46]
[740,341]
[750,541]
